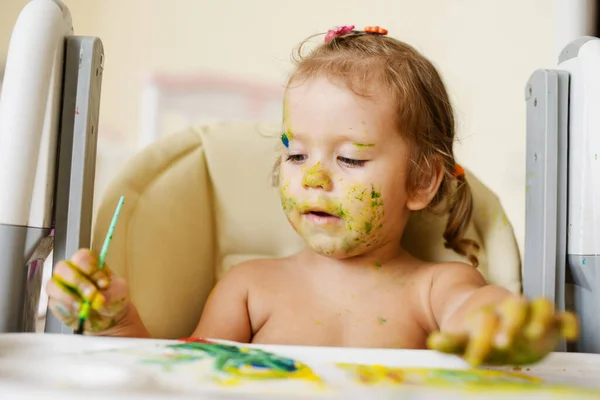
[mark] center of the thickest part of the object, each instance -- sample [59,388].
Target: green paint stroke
[236,361]
[381,320]
[362,145]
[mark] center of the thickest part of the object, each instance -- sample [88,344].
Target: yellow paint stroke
[316,176]
[287,120]
[363,145]
[486,380]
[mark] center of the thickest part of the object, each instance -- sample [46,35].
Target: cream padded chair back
[200,201]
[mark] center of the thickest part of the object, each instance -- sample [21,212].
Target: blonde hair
[423,110]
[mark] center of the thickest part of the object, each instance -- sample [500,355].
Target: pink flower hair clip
[338,31]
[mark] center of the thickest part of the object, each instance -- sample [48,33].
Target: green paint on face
[381,320]
[360,209]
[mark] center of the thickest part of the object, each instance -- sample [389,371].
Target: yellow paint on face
[316,176]
[287,120]
[363,145]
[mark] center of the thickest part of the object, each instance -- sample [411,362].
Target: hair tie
[346,29]
[458,170]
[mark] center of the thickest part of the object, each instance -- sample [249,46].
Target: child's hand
[79,280]
[516,332]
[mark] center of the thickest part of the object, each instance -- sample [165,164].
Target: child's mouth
[321,217]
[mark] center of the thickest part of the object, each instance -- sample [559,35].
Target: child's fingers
[66,312]
[62,293]
[513,315]
[482,333]
[97,322]
[87,262]
[70,296]
[568,325]
[69,275]
[541,315]
[447,342]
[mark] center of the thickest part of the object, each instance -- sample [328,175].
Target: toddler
[367,140]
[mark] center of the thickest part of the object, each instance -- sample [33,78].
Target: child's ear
[427,188]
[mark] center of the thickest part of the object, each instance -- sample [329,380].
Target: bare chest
[378,318]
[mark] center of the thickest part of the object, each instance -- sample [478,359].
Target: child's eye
[295,158]
[348,162]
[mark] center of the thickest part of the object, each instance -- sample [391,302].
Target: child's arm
[225,314]
[456,291]
[488,324]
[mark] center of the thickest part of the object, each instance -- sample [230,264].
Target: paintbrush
[85,308]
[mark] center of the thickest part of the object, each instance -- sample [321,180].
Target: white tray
[65,367]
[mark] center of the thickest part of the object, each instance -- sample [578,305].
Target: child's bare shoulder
[257,270]
[455,272]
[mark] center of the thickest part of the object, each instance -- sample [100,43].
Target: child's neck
[376,258]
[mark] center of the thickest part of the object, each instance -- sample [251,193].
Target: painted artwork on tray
[198,365]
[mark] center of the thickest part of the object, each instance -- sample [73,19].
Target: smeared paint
[287,120]
[362,145]
[316,176]
[472,380]
[379,374]
[360,209]
[381,320]
[234,364]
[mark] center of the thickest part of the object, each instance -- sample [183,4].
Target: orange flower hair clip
[376,29]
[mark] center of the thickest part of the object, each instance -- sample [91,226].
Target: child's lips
[321,217]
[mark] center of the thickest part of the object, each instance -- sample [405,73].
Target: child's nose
[317,177]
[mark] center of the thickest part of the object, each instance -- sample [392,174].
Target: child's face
[343,177]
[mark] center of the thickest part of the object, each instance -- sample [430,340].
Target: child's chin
[332,248]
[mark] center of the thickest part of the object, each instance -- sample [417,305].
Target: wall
[484,49]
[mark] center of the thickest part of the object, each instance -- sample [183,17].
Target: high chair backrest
[201,200]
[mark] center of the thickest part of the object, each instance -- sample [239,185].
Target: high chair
[201,200]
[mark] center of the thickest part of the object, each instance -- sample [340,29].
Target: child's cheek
[362,206]
[288,202]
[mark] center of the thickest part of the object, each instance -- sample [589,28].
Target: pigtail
[459,218]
